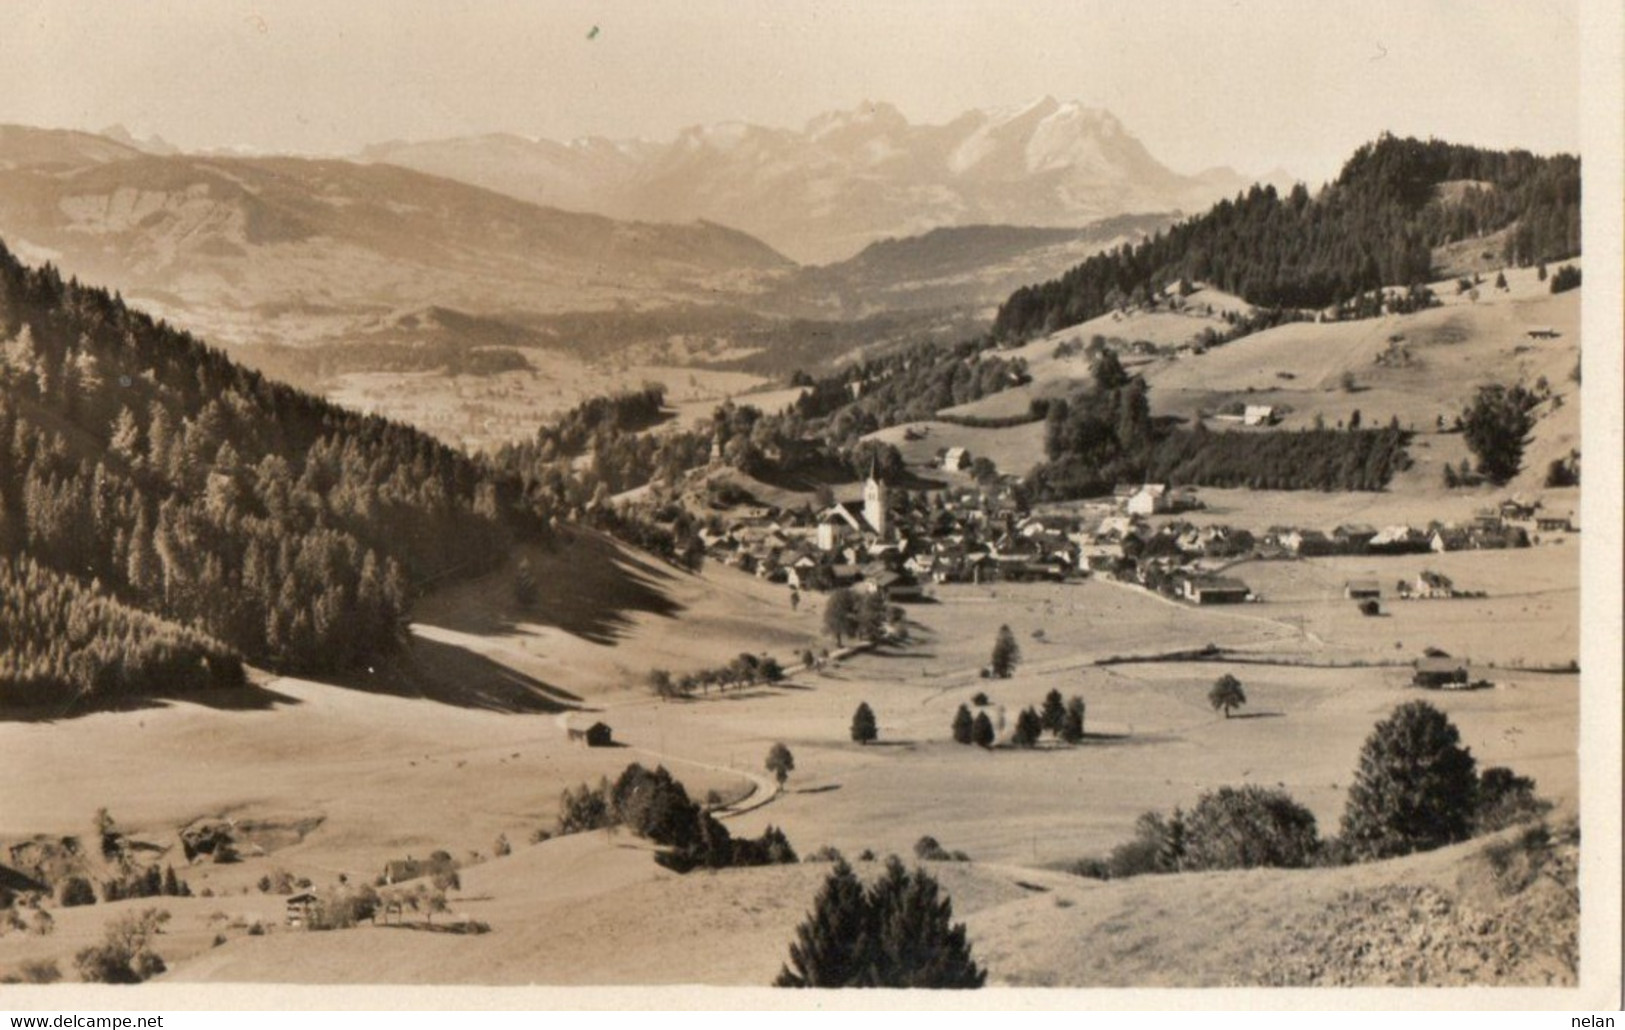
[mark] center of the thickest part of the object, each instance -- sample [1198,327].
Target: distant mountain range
[246,239]
[299,251]
[845,180]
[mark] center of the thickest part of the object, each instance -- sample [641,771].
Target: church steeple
[876,504]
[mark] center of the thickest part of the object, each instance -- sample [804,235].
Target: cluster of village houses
[984,535]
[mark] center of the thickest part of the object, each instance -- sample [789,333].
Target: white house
[1258,415]
[1150,499]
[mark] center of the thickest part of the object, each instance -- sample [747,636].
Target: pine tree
[1006,653]
[964,726]
[1072,728]
[833,946]
[917,943]
[864,729]
[983,730]
[1028,728]
[1053,714]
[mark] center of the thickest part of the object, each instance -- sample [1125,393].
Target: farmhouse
[1555,523]
[1259,415]
[1307,542]
[1439,672]
[1150,499]
[401,869]
[299,909]
[1361,589]
[1354,537]
[1216,590]
[956,459]
[1449,538]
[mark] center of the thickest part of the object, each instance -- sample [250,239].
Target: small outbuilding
[1216,590]
[597,735]
[1362,589]
[1439,673]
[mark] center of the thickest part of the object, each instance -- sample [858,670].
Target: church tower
[876,504]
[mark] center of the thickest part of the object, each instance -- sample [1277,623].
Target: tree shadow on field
[456,676]
[252,697]
[1258,715]
[825,789]
[588,586]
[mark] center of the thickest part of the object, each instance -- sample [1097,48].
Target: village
[901,544]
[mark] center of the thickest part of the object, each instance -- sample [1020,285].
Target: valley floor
[342,779]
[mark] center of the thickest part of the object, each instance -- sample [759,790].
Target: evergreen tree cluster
[654,805]
[69,645]
[1098,438]
[898,933]
[192,487]
[1375,226]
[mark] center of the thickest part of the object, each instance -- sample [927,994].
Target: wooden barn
[597,735]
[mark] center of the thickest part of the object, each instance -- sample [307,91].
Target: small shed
[1361,589]
[1258,415]
[597,735]
[1216,590]
[956,459]
[1439,673]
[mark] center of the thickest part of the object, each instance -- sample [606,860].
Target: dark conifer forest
[1375,226]
[141,469]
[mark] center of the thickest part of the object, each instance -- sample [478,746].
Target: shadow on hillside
[459,677]
[588,587]
[251,698]
[1258,715]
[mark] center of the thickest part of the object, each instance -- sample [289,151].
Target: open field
[406,776]
[484,412]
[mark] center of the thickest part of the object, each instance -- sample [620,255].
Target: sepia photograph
[815,495]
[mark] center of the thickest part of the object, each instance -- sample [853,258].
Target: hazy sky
[1294,83]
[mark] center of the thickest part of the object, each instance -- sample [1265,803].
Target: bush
[980,700]
[964,726]
[926,849]
[1370,608]
[1505,798]
[38,971]
[1415,788]
[75,891]
[125,955]
[1245,827]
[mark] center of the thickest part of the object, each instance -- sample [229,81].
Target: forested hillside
[192,488]
[1375,226]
